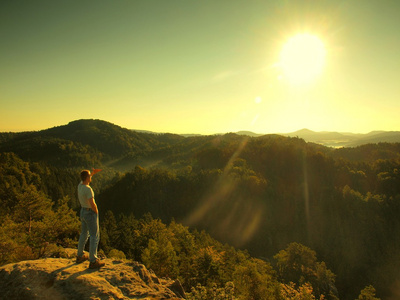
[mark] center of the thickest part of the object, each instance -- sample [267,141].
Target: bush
[212,293]
[114,253]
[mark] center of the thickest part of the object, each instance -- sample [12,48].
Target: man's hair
[85,174]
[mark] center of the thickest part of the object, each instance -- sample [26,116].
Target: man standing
[89,216]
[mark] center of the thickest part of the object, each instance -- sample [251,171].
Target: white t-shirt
[85,193]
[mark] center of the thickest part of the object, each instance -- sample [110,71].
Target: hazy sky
[197,66]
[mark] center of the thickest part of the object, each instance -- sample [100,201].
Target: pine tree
[32,206]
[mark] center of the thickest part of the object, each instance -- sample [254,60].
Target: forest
[230,216]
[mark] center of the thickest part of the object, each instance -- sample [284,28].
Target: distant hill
[337,139]
[107,137]
[249,133]
[95,142]
[83,141]
[181,134]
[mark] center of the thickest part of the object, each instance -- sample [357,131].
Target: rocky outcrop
[62,278]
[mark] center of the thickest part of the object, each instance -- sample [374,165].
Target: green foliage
[54,250]
[303,292]
[114,253]
[15,177]
[108,232]
[22,239]
[368,293]
[13,242]
[62,225]
[53,151]
[161,257]
[182,239]
[208,263]
[213,293]
[31,221]
[298,264]
[126,237]
[255,279]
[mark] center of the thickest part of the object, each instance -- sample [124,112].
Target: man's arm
[94,171]
[93,205]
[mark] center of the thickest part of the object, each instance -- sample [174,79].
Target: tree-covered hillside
[84,142]
[262,193]
[34,226]
[265,194]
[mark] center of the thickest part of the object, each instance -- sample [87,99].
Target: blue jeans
[90,227]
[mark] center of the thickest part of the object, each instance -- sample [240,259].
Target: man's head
[85,176]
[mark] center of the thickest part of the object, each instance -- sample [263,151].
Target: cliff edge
[62,278]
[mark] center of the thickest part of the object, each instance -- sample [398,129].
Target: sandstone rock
[62,278]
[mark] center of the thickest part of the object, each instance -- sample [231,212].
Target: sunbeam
[225,211]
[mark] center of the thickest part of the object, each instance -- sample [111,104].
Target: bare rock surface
[62,278]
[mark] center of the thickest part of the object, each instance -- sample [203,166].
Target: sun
[302,58]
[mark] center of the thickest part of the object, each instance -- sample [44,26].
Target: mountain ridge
[147,138]
[338,139]
[332,139]
[99,142]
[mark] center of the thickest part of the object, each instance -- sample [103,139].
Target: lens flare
[226,214]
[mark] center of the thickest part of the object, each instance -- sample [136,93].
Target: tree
[108,232]
[207,266]
[15,177]
[303,292]
[212,293]
[114,253]
[368,293]
[295,263]
[161,257]
[126,236]
[13,246]
[183,240]
[184,245]
[32,206]
[255,279]
[298,264]
[34,225]
[62,225]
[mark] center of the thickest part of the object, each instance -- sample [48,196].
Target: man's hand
[94,171]
[93,205]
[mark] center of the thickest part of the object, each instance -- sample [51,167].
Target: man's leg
[84,235]
[94,232]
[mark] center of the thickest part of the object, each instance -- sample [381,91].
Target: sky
[198,66]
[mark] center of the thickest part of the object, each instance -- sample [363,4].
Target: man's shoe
[97,264]
[81,259]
